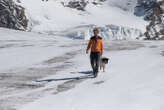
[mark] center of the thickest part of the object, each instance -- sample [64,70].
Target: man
[96,46]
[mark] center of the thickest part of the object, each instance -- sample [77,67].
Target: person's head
[96,31]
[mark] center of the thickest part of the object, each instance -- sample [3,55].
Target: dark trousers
[95,61]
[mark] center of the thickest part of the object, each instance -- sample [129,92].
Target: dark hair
[96,29]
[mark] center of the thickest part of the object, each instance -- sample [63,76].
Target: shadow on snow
[88,74]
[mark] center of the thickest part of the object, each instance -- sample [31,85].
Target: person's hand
[86,51]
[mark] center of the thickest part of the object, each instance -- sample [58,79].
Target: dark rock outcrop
[12,15]
[145,8]
[81,4]
[155,30]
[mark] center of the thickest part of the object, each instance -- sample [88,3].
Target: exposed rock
[155,30]
[81,4]
[18,1]
[12,15]
[144,8]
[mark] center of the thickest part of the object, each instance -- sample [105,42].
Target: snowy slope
[41,72]
[53,16]
[133,81]
[25,49]
[127,5]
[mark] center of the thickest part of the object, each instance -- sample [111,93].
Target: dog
[103,62]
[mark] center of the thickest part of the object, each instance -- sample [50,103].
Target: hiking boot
[95,74]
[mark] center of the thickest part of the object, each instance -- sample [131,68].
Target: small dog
[103,62]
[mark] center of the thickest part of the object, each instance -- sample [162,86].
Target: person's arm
[89,46]
[102,47]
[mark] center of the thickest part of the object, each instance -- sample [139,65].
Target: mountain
[155,30]
[12,15]
[59,15]
[116,17]
[144,8]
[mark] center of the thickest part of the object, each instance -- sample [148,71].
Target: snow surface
[23,49]
[133,79]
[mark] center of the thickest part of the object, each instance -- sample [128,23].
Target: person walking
[96,46]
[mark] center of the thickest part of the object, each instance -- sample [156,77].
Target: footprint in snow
[99,82]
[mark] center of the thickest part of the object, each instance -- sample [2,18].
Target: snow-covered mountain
[117,19]
[144,8]
[155,30]
[12,15]
[59,15]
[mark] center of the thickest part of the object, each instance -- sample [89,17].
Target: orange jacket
[96,44]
